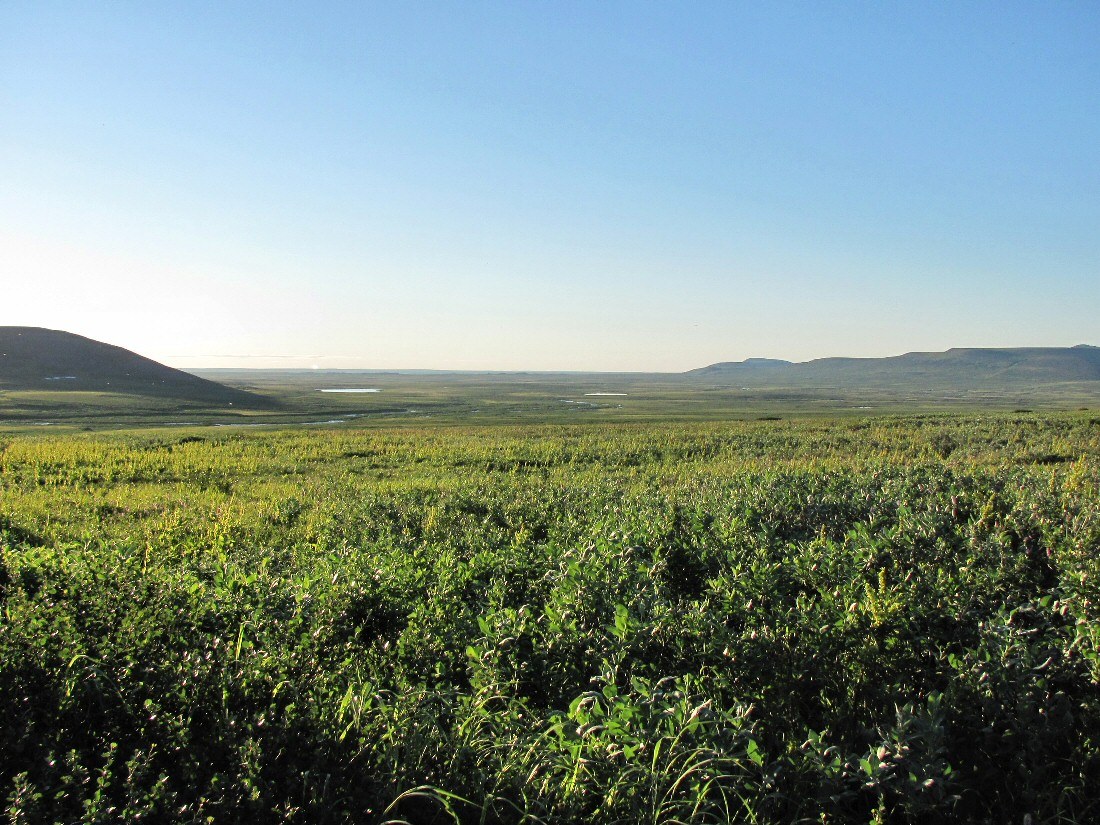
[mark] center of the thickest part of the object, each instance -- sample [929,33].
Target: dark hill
[33,358]
[956,368]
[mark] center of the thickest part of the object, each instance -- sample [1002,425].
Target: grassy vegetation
[835,620]
[408,399]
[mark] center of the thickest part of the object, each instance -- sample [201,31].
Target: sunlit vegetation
[827,621]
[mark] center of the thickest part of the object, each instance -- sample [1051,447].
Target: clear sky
[549,185]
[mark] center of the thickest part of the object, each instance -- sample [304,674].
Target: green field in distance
[404,399]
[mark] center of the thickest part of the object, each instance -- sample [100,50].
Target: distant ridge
[955,368]
[33,358]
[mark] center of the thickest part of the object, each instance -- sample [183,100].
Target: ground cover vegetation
[849,621]
[307,398]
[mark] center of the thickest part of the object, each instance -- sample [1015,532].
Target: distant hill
[33,358]
[956,368]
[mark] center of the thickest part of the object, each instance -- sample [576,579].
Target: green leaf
[754,752]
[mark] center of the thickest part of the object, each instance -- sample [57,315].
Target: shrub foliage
[768,622]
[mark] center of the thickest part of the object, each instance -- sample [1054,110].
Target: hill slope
[33,358]
[1024,366]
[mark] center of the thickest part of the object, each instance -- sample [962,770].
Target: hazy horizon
[247,362]
[621,187]
[308,364]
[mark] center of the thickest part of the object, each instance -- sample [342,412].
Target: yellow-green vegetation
[825,621]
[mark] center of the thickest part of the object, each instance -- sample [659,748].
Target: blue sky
[612,186]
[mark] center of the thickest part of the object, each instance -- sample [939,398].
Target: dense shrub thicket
[888,620]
